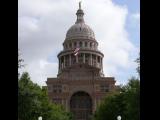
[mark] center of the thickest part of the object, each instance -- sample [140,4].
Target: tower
[80,84]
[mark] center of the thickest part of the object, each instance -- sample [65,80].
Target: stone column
[59,64]
[102,64]
[83,57]
[96,61]
[90,59]
[76,58]
[83,44]
[64,61]
[72,45]
[70,59]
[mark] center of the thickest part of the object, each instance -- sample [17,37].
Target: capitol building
[80,84]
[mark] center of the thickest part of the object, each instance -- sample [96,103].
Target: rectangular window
[57,88]
[104,88]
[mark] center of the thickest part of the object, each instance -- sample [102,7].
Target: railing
[97,65]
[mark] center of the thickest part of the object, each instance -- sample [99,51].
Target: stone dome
[80,30]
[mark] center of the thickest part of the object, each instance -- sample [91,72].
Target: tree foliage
[132,98]
[125,103]
[33,102]
[138,67]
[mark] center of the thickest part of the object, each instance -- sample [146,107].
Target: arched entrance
[81,106]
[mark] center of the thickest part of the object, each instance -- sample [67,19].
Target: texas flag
[76,51]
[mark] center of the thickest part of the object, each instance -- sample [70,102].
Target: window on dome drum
[62,59]
[90,44]
[70,45]
[80,44]
[85,44]
[98,59]
[75,44]
[66,46]
[67,60]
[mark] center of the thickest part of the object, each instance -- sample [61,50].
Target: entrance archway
[81,106]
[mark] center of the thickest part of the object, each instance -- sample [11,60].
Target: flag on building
[76,51]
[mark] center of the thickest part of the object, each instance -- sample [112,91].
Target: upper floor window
[49,88]
[104,88]
[57,88]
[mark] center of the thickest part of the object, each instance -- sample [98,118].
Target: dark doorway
[81,106]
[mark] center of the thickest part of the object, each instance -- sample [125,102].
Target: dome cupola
[80,29]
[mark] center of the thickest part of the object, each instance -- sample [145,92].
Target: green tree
[138,67]
[125,103]
[28,94]
[132,98]
[33,102]
[112,106]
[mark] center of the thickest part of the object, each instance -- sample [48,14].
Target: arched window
[81,105]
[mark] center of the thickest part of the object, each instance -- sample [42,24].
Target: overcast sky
[43,25]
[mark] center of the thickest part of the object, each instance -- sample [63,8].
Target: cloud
[135,20]
[136,16]
[43,25]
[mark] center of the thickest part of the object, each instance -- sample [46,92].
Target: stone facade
[80,77]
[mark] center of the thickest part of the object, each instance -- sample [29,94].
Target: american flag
[76,51]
